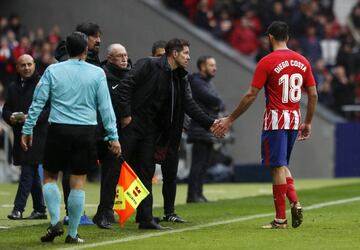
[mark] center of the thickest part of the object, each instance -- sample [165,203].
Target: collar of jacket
[93,57]
[32,79]
[199,75]
[163,62]
[114,70]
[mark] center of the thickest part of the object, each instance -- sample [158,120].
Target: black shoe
[76,240]
[203,198]
[37,216]
[152,225]
[296,215]
[101,222]
[110,216]
[52,232]
[173,218]
[15,215]
[156,220]
[195,199]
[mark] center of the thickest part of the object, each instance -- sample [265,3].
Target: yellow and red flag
[130,191]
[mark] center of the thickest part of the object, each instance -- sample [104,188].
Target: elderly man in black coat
[206,96]
[116,67]
[152,103]
[15,110]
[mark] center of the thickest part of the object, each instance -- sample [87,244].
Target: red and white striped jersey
[283,74]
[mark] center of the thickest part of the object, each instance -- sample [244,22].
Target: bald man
[15,111]
[116,67]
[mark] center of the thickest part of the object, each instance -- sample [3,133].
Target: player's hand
[26,142]
[304,131]
[125,121]
[115,147]
[221,126]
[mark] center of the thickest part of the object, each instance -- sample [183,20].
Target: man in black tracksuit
[206,96]
[18,100]
[116,67]
[152,102]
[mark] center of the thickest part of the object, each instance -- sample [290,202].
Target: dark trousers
[138,146]
[201,155]
[29,183]
[169,171]
[110,171]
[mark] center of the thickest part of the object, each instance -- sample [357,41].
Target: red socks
[279,194]
[291,192]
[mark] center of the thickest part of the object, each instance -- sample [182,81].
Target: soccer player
[283,73]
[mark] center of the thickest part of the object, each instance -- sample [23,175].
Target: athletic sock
[52,199]
[279,194]
[291,191]
[76,202]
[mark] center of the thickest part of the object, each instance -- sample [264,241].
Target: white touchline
[211,224]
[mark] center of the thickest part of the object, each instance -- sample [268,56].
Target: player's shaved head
[25,66]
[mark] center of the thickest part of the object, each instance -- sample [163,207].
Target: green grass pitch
[231,220]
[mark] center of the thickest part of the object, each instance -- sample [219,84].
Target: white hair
[113,47]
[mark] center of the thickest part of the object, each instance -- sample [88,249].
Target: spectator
[16,26]
[310,45]
[329,47]
[15,112]
[204,17]
[344,89]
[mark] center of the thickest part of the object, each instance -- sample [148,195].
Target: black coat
[206,96]
[113,77]
[139,89]
[19,99]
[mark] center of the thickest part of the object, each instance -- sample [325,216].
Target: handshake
[221,126]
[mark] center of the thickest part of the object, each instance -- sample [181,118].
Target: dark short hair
[89,29]
[279,30]
[202,60]
[76,43]
[158,45]
[175,44]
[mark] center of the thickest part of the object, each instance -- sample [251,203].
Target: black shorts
[71,147]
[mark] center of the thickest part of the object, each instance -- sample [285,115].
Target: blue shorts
[276,147]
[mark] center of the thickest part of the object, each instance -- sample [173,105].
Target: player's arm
[40,97]
[305,128]
[260,77]
[243,105]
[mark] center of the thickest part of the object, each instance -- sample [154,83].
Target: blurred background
[327,32]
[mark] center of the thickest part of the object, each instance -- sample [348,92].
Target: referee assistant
[76,90]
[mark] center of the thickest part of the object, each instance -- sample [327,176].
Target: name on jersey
[285,64]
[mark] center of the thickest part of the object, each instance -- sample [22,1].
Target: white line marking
[62,205]
[211,224]
[4,227]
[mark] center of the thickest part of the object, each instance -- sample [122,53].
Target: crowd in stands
[16,40]
[332,49]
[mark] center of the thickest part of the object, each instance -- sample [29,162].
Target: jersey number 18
[292,92]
